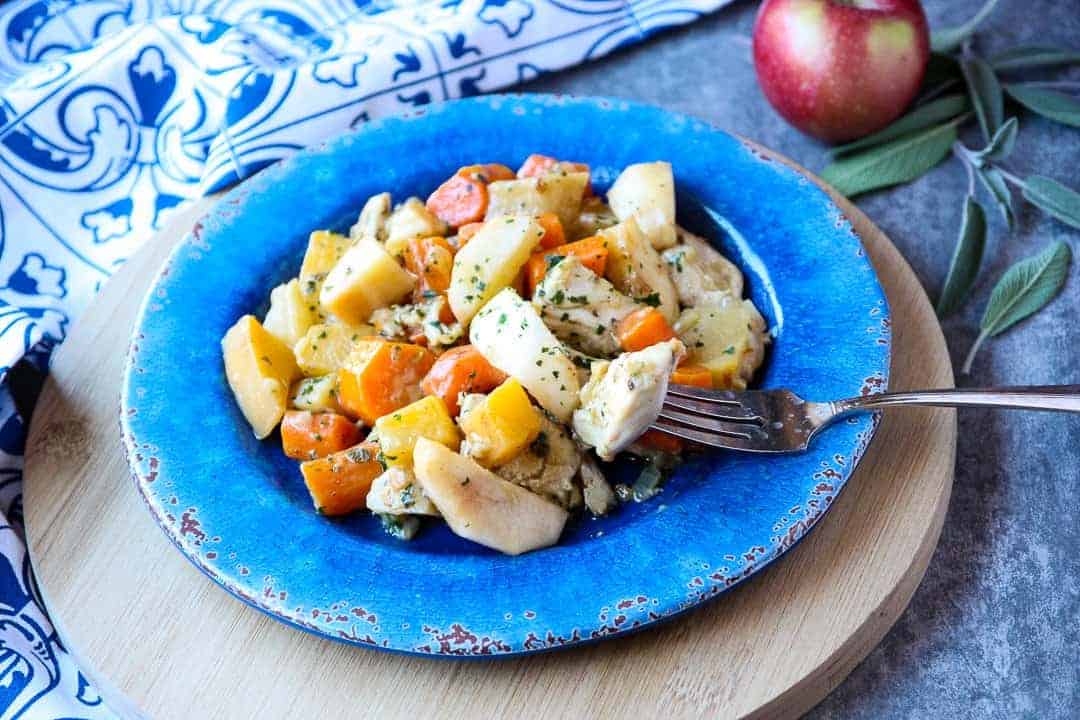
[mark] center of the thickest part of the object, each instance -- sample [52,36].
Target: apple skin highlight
[840,69]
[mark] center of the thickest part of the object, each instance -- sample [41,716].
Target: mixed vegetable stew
[474,356]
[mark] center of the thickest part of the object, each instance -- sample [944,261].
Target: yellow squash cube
[260,368]
[365,279]
[290,314]
[323,251]
[318,394]
[325,348]
[425,418]
[501,425]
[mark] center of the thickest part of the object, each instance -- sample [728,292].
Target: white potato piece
[646,191]
[581,308]
[560,193]
[325,348]
[260,369]
[480,506]
[411,219]
[290,314]
[510,335]
[366,278]
[372,220]
[490,262]
[397,492]
[700,273]
[317,394]
[623,397]
[728,337]
[636,269]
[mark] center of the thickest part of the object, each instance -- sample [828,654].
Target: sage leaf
[1062,108]
[932,113]
[1054,198]
[899,161]
[995,184]
[986,95]
[1022,291]
[949,39]
[1030,56]
[1000,146]
[966,259]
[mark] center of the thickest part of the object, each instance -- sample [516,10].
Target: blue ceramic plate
[238,509]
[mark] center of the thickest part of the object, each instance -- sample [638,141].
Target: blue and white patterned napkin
[116,113]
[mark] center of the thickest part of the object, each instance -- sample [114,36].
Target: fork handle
[1061,398]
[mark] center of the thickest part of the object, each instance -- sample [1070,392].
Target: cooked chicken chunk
[404,322]
[373,217]
[635,268]
[599,497]
[581,308]
[700,272]
[623,397]
[396,492]
[548,466]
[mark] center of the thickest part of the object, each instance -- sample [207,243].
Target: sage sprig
[921,139]
[1024,289]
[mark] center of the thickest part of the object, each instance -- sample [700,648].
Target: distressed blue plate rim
[231,508]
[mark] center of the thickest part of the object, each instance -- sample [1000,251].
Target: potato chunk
[365,279]
[636,269]
[411,219]
[290,314]
[510,335]
[325,348]
[490,262]
[260,368]
[316,394]
[399,431]
[323,251]
[728,338]
[500,426]
[559,193]
[480,506]
[646,191]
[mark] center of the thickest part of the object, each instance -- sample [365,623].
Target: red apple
[840,69]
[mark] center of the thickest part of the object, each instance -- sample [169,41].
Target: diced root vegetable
[411,220]
[554,235]
[339,483]
[460,370]
[511,335]
[693,375]
[540,165]
[431,260]
[381,377]
[260,369]
[325,348]
[459,201]
[592,252]
[323,251]
[643,328]
[318,394]
[501,426]
[646,191]
[399,431]
[290,314]
[480,506]
[307,436]
[466,232]
[559,193]
[490,262]
[365,279]
[486,173]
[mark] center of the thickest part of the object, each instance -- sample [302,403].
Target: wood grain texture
[163,641]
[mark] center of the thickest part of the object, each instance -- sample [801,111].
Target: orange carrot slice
[307,436]
[461,370]
[381,377]
[339,483]
[642,328]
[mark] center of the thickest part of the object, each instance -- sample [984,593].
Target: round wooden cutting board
[162,641]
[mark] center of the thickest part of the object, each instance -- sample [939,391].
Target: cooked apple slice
[481,506]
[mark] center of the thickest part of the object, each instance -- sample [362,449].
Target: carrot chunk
[466,232]
[486,173]
[592,252]
[307,436]
[459,201]
[553,230]
[461,370]
[339,483]
[642,328]
[695,375]
[381,377]
[430,259]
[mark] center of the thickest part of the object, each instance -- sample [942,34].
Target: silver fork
[779,421]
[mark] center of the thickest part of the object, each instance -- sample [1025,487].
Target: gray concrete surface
[994,629]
